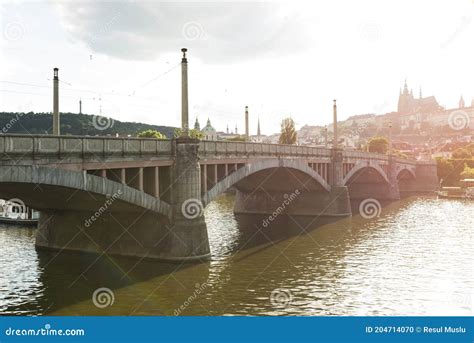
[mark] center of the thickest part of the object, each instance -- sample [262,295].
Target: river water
[415,258]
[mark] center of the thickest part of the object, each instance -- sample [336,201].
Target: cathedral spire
[258,127]
[421,96]
[405,88]
[461,102]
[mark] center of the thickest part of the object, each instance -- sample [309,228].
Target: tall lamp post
[56,120]
[334,112]
[390,138]
[184,95]
[326,136]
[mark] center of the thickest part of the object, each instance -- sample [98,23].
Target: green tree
[193,133]
[150,133]
[288,132]
[461,153]
[467,173]
[445,168]
[378,144]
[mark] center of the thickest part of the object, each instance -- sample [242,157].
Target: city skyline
[141,83]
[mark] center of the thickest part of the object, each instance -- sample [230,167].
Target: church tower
[461,102]
[196,125]
[405,100]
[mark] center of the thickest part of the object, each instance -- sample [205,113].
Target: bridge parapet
[361,155]
[210,148]
[31,147]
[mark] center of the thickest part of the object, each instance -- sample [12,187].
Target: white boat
[14,211]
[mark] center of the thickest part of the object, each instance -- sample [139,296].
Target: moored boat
[465,191]
[14,212]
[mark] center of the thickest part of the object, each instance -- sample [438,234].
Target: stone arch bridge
[144,197]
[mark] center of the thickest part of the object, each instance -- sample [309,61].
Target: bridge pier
[188,239]
[393,190]
[297,202]
[339,192]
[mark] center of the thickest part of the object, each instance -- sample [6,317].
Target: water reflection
[414,259]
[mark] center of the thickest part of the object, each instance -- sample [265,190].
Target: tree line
[74,124]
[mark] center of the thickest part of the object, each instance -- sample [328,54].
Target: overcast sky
[279,58]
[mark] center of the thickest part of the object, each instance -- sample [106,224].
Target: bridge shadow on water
[258,234]
[69,279]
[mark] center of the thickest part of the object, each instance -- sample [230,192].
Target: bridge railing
[351,154]
[59,146]
[260,149]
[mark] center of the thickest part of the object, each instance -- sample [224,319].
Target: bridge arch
[404,170]
[360,166]
[44,188]
[253,168]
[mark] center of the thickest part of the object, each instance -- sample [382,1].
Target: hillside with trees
[74,124]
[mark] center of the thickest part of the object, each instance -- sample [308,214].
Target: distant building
[408,104]
[197,126]
[258,138]
[209,133]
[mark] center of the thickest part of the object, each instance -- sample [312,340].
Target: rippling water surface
[414,259]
